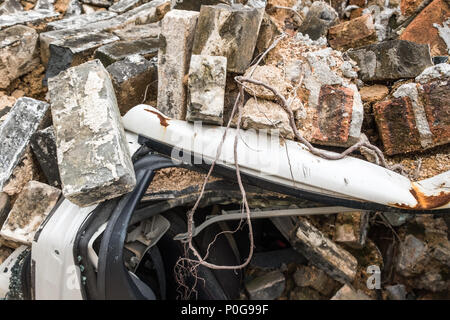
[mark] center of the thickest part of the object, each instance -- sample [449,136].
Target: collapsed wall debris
[372,73]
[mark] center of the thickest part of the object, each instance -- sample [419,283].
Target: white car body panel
[349,178]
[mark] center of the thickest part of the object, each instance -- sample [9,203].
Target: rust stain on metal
[162,119]
[425,202]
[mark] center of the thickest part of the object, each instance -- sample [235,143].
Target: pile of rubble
[70,69]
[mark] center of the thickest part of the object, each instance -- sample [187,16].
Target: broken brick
[425,28]
[396,125]
[333,115]
[352,34]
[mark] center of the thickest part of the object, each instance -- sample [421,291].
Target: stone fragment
[113,52]
[75,50]
[426,28]
[264,114]
[18,53]
[124,5]
[417,117]
[267,33]
[352,228]
[74,9]
[353,34]
[374,93]
[144,14]
[93,157]
[177,36]
[139,32]
[5,206]
[323,253]
[391,60]
[10,6]
[15,132]
[43,144]
[80,20]
[267,74]
[131,78]
[396,292]
[206,89]
[228,31]
[267,287]
[412,258]
[33,204]
[319,19]
[310,276]
[99,3]
[348,293]
[23,17]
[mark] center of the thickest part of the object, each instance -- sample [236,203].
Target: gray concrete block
[391,60]
[177,36]
[132,78]
[22,17]
[113,52]
[18,53]
[80,20]
[22,121]
[31,208]
[206,85]
[75,50]
[93,157]
[139,32]
[229,31]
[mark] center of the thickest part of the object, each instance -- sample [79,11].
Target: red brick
[352,34]
[421,29]
[397,125]
[436,99]
[333,115]
[408,7]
